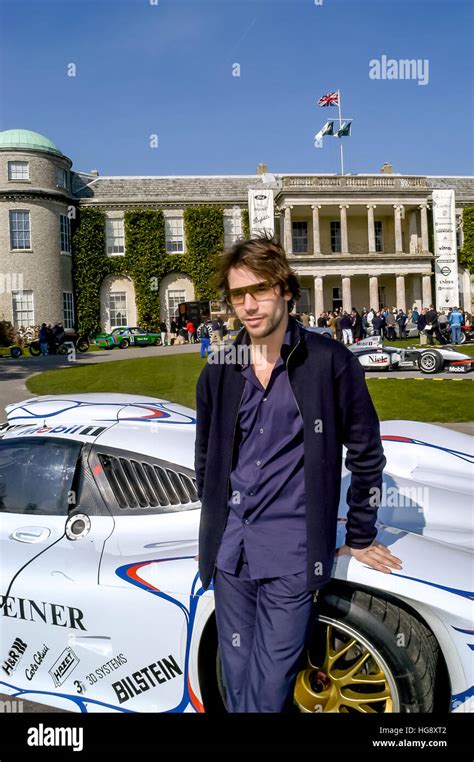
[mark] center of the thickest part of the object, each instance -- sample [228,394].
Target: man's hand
[376,555]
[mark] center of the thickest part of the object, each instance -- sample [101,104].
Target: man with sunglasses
[271,425]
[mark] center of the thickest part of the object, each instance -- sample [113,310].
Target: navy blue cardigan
[329,387]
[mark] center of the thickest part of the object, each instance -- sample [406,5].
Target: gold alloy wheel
[344,673]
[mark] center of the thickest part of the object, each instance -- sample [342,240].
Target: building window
[18,170]
[174,297]
[20,231]
[336,297]
[336,236]
[61,177]
[304,302]
[300,237]
[378,235]
[115,235]
[118,309]
[232,228]
[174,234]
[65,224]
[23,309]
[68,309]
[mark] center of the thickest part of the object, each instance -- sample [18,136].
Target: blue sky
[166,69]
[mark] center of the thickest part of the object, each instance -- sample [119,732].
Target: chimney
[94,172]
[387,169]
[262,169]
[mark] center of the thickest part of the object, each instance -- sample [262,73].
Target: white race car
[102,608]
[374,355]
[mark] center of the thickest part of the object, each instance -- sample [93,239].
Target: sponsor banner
[63,666]
[261,214]
[446,264]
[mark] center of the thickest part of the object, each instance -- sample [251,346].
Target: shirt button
[251,493]
[261,431]
[259,462]
[246,521]
[264,399]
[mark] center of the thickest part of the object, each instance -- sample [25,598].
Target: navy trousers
[262,626]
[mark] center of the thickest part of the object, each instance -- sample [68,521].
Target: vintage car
[127,336]
[102,608]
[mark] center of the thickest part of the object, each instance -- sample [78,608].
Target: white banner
[446,262]
[261,214]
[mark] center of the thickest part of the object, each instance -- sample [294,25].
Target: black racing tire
[35,349]
[82,344]
[400,652]
[16,352]
[157,342]
[124,344]
[63,350]
[430,361]
[463,338]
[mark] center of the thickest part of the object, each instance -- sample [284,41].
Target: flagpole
[340,122]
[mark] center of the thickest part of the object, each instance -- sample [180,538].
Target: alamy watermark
[417,69]
[399,497]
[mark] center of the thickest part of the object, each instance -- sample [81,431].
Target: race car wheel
[15,352]
[430,361]
[124,344]
[82,344]
[157,342]
[462,340]
[63,350]
[366,655]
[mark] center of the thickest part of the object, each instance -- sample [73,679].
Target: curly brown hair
[264,256]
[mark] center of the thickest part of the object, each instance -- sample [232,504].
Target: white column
[288,231]
[400,298]
[426,287]
[466,290]
[282,228]
[374,291]
[413,232]
[371,227]
[318,296]
[344,239]
[346,293]
[316,234]
[398,227]
[424,227]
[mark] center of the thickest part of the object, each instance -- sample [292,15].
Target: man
[164,333]
[455,322]
[270,496]
[204,336]
[402,321]
[432,326]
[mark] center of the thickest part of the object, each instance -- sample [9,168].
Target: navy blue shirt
[267,504]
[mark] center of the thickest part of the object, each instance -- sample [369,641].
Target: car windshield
[117,331]
[36,475]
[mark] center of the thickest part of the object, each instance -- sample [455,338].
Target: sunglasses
[259,291]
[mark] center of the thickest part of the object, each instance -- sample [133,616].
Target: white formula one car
[374,355]
[102,608]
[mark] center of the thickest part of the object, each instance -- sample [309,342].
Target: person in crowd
[331,323]
[322,323]
[204,335]
[312,320]
[173,331]
[391,323]
[164,333]
[191,329]
[455,323]
[338,326]
[377,323]
[421,323]
[401,319]
[346,325]
[432,326]
[44,339]
[305,319]
[356,325]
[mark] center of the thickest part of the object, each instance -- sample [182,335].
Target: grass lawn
[174,378]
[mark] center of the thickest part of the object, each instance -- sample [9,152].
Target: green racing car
[126,336]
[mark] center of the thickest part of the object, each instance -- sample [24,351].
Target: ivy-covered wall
[466,254]
[145,259]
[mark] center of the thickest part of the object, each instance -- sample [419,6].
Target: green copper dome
[27,139]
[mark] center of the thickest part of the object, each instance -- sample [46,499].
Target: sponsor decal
[38,659]
[63,667]
[379,359]
[148,677]
[106,669]
[49,613]
[16,651]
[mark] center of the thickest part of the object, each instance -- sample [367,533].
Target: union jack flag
[331,99]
